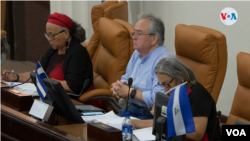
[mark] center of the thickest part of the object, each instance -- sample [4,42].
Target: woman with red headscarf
[67,61]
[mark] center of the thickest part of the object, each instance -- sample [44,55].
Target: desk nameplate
[16,99]
[100,131]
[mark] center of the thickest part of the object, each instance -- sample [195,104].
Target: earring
[67,43]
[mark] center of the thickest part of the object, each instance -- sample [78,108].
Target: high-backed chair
[112,58]
[4,45]
[96,13]
[108,9]
[2,14]
[204,51]
[241,106]
[3,6]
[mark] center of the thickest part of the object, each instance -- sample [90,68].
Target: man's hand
[119,89]
[113,86]
[153,109]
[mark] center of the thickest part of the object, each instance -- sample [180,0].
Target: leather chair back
[204,51]
[2,14]
[108,9]
[112,57]
[129,29]
[5,47]
[241,106]
[96,13]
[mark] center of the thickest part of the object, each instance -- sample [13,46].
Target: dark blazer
[77,65]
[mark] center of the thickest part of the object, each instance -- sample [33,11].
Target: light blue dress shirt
[141,69]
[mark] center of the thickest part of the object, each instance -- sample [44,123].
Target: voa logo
[228,16]
[235,132]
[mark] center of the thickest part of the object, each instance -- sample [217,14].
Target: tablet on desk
[88,108]
[91,113]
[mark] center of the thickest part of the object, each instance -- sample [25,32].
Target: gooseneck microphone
[85,84]
[217,118]
[130,81]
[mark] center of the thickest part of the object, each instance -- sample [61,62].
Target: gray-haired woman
[172,72]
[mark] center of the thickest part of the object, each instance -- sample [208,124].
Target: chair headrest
[189,40]
[113,36]
[117,11]
[98,11]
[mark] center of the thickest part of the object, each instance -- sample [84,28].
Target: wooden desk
[18,126]
[78,130]
[93,131]
[16,105]
[22,102]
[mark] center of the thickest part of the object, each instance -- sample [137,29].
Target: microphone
[85,84]
[217,118]
[130,81]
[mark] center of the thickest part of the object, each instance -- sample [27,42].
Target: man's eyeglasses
[136,34]
[53,36]
[165,85]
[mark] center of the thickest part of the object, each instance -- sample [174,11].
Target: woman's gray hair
[173,67]
[78,32]
[156,27]
[62,28]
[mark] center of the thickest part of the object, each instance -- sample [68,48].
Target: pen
[9,72]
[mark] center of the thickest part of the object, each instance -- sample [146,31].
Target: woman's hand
[200,128]
[134,121]
[138,124]
[8,76]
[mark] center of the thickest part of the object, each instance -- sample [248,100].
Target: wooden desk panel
[16,125]
[78,130]
[4,85]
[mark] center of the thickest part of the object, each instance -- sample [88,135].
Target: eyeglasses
[165,85]
[53,36]
[136,34]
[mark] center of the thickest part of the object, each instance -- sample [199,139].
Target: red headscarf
[61,20]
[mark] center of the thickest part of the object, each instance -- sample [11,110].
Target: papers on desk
[109,118]
[101,118]
[28,88]
[93,119]
[144,134]
[115,121]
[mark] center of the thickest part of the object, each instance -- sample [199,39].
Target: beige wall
[190,13]
[81,12]
[77,10]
